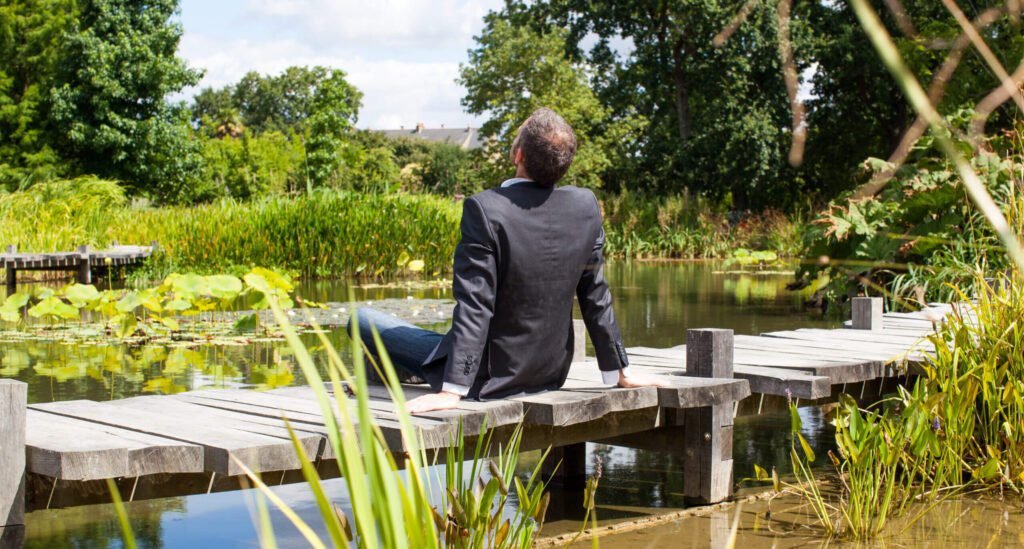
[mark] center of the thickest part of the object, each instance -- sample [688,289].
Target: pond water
[655,304]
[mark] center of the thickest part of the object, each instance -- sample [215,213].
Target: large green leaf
[81,295]
[224,286]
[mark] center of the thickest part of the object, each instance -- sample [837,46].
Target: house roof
[466,138]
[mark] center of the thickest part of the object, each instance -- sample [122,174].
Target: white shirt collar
[515,181]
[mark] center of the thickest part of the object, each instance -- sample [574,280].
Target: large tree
[109,107]
[30,46]
[515,70]
[718,113]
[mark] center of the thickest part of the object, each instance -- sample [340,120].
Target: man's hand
[433,401]
[642,380]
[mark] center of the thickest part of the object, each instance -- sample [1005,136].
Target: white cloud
[402,54]
[395,92]
[407,23]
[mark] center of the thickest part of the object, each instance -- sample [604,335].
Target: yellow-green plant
[388,511]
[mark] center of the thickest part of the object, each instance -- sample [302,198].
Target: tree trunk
[682,92]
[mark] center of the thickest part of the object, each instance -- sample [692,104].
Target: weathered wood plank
[564,407]
[310,439]
[837,369]
[873,337]
[13,397]
[306,414]
[71,449]
[221,445]
[885,351]
[684,391]
[762,380]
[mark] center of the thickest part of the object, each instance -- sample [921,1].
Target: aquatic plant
[387,511]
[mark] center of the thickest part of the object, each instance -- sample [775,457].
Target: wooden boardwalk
[190,442]
[83,261]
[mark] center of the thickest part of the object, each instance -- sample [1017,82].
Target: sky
[403,55]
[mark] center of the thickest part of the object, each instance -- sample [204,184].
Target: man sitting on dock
[527,248]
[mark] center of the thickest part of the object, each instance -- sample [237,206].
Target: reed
[325,233]
[387,510]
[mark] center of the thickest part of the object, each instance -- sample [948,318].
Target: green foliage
[253,166]
[108,108]
[387,510]
[921,231]
[369,170]
[60,215]
[715,117]
[284,103]
[326,233]
[332,112]
[958,426]
[857,110]
[516,70]
[449,170]
[684,226]
[31,47]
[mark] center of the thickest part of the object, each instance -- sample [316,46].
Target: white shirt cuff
[611,377]
[460,390]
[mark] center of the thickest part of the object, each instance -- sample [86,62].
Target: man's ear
[517,156]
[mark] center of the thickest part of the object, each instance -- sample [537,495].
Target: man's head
[544,147]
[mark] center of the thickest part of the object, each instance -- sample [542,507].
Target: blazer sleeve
[595,301]
[474,286]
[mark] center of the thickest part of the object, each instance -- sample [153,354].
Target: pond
[654,302]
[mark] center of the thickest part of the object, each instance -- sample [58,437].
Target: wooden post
[10,273]
[579,347]
[85,266]
[13,402]
[707,465]
[571,463]
[867,313]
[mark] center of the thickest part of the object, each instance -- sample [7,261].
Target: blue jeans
[407,345]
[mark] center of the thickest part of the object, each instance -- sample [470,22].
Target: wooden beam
[13,400]
[708,464]
[10,273]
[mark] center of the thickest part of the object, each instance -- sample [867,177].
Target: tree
[332,112]
[717,112]
[31,47]
[109,106]
[513,71]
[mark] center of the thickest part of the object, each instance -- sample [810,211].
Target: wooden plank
[873,350]
[13,396]
[306,414]
[564,407]
[497,413]
[434,433]
[71,449]
[310,440]
[763,380]
[872,337]
[838,370]
[685,391]
[221,445]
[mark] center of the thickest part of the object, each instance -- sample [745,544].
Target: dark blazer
[526,250]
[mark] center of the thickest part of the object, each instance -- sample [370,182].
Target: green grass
[343,234]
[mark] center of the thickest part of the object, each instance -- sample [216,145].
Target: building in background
[467,138]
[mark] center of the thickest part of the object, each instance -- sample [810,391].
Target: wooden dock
[84,261]
[188,443]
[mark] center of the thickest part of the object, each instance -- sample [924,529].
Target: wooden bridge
[83,261]
[157,446]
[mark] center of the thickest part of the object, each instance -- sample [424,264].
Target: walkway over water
[187,443]
[83,261]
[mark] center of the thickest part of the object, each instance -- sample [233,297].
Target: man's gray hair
[548,144]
